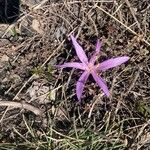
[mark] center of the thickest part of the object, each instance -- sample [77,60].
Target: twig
[95,102]
[128,28]
[29,107]
[30,79]
[40,4]
[142,128]
[133,14]
[134,80]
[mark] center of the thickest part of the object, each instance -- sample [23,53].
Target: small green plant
[38,71]
[46,72]
[144,109]
[14,32]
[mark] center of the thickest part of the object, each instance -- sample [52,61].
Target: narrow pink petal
[79,50]
[113,62]
[101,83]
[80,84]
[98,46]
[72,65]
[97,50]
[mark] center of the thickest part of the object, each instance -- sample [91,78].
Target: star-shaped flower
[89,67]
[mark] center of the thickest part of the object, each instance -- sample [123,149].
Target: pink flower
[89,67]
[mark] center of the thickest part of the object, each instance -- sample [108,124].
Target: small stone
[36,25]
[4,58]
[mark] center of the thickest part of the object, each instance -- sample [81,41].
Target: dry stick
[41,66]
[134,80]
[133,14]
[25,84]
[29,107]
[39,6]
[34,74]
[68,137]
[12,25]
[35,7]
[142,129]
[94,103]
[18,133]
[128,28]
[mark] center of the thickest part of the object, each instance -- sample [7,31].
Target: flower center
[90,67]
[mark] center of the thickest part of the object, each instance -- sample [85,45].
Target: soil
[32,44]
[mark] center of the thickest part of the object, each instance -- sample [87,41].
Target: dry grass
[38,40]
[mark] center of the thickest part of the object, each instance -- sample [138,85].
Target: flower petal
[79,50]
[81,83]
[101,83]
[98,46]
[110,63]
[72,65]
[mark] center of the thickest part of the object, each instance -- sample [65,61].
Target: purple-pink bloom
[89,67]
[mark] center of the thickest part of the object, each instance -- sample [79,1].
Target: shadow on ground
[9,11]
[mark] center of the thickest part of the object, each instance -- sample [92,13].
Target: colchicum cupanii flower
[89,67]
